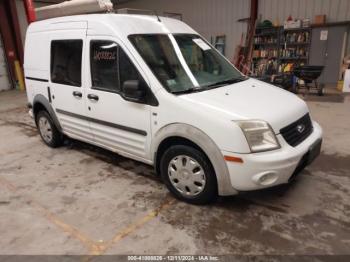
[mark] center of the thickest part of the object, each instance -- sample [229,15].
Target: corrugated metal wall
[336,10]
[214,17]
[208,17]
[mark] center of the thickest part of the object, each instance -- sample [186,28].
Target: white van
[155,91]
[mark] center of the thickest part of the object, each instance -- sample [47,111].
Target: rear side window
[110,66]
[66,62]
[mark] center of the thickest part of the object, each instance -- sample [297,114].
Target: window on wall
[66,58]
[110,66]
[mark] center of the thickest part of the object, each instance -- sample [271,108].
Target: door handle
[92,97]
[77,94]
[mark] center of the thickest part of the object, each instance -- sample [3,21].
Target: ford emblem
[300,128]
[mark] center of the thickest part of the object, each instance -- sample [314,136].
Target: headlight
[260,135]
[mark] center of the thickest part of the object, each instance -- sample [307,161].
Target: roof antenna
[155,12]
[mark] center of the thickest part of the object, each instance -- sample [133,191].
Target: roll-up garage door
[4,77]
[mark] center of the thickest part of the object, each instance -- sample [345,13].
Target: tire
[188,174]
[48,130]
[320,91]
[294,89]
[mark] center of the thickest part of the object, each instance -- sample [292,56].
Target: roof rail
[138,12]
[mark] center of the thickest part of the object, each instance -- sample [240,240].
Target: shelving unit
[266,51]
[294,46]
[275,47]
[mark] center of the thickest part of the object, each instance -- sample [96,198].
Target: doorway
[327,49]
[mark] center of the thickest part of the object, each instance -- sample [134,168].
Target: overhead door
[4,77]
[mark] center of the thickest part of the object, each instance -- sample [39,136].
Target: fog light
[265,179]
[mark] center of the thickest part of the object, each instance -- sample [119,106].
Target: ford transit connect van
[155,91]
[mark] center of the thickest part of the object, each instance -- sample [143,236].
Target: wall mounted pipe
[30,10]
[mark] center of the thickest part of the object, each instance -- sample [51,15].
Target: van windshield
[185,63]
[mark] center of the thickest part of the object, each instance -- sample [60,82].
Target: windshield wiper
[226,82]
[187,91]
[211,86]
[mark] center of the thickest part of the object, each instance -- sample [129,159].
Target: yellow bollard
[19,76]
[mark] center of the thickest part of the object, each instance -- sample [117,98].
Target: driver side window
[110,66]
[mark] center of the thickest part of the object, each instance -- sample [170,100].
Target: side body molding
[206,144]
[45,102]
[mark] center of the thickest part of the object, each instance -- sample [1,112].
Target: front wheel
[188,174]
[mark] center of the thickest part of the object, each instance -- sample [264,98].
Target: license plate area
[308,158]
[314,151]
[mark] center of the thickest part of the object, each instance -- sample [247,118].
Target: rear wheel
[320,91]
[48,131]
[188,174]
[294,88]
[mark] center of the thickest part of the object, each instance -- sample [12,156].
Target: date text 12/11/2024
[173,258]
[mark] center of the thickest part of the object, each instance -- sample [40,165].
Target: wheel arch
[177,133]
[40,102]
[167,143]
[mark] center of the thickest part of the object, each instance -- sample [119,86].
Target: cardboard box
[320,19]
[292,24]
[306,23]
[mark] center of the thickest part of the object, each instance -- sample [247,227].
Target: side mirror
[134,90]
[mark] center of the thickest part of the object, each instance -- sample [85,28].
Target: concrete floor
[79,199]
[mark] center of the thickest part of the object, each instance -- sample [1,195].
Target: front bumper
[268,169]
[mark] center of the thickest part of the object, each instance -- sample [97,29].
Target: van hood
[252,99]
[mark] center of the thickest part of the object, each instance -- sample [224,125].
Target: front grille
[298,131]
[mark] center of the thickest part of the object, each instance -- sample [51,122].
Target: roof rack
[76,7]
[138,12]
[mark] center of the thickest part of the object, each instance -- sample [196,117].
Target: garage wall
[336,10]
[22,18]
[209,17]
[215,17]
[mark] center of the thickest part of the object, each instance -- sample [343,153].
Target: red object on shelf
[30,10]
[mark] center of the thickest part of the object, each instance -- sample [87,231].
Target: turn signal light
[233,159]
